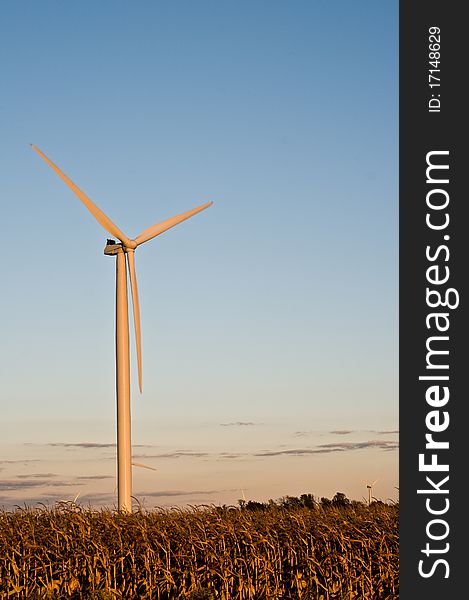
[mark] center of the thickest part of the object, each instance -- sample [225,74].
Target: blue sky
[269,321]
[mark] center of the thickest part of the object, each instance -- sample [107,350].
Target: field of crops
[204,553]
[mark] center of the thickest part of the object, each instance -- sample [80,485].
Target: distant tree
[253,506]
[340,499]
[290,502]
[326,502]
[308,501]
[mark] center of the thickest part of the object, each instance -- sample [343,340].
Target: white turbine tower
[125,249]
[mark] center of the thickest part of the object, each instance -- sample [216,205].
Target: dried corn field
[201,554]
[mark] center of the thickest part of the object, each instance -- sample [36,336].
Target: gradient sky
[270,320]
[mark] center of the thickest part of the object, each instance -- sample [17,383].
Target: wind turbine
[124,253]
[370,489]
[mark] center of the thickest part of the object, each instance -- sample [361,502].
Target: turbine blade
[135,464]
[136,312]
[94,210]
[158,228]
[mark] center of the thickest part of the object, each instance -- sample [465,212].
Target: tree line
[339,500]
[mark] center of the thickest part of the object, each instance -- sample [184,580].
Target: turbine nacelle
[112,248]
